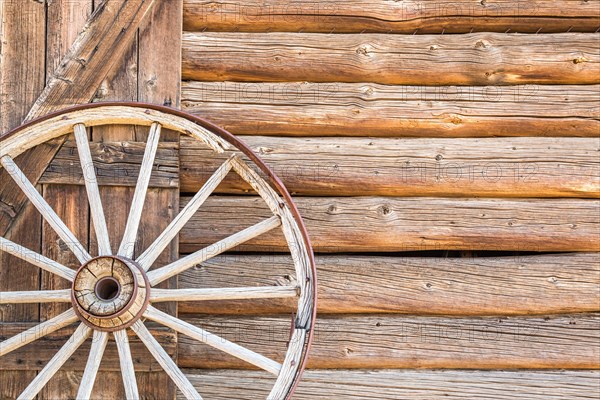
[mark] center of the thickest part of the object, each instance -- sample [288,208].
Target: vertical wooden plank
[150,72]
[22,31]
[66,19]
[120,85]
[160,83]
[70,203]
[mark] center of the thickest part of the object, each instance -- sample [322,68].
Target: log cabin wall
[445,158]
[444,155]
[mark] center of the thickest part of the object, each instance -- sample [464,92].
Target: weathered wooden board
[384,341]
[148,74]
[14,382]
[16,274]
[106,36]
[64,386]
[546,284]
[489,167]
[75,81]
[369,109]
[70,204]
[470,59]
[359,16]
[37,354]
[22,31]
[68,20]
[404,384]
[116,164]
[159,82]
[384,224]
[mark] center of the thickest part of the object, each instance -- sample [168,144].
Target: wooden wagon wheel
[114,291]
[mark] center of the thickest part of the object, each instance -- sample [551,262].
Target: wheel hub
[110,293]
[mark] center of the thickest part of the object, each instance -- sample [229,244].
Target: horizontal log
[359,16]
[384,224]
[490,167]
[368,109]
[115,163]
[403,384]
[37,354]
[547,284]
[470,59]
[383,341]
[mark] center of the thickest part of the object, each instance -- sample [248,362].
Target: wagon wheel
[115,291]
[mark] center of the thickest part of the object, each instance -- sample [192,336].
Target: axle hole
[107,288]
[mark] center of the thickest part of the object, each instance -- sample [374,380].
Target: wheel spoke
[213,340]
[59,359]
[44,208]
[99,342]
[38,331]
[36,259]
[241,293]
[161,274]
[36,296]
[166,362]
[137,205]
[91,185]
[127,370]
[151,254]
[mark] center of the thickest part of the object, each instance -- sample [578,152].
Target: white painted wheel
[113,291]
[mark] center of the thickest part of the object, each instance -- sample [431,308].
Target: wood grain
[405,384]
[371,109]
[70,204]
[385,224]
[470,59]
[115,163]
[148,74]
[17,274]
[546,284]
[490,167]
[56,363]
[375,341]
[106,36]
[22,31]
[36,355]
[65,385]
[360,16]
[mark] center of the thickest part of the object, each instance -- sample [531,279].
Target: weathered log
[375,341]
[368,109]
[470,59]
[358,16]
[404,384]
[548,284]
[508,167]
[385,224]
[515,167]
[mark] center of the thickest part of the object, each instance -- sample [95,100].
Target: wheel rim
[105,301]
